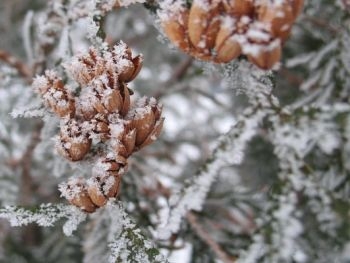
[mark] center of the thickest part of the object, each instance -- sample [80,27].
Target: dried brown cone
[146,119]
[73,142]
[238,8]
[278,16]
[263,50]
[297,7]
[103,102]
[104,97]
[118,62]
[127,67]
[201,31]
[176,30]
[97,127]
[55,94]
[227,45]
[175,22]
[105,182]
[196,30]
[204,24]
[122,137]
[86,67]
[76,193]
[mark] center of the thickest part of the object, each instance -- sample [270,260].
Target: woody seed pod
[227,44]
[76,193]
[103,113]
[86,67]
[105,182]
[239,8]
[263,50]
[73,143]
[145,119]
[98,126]
[126,66]
[101,98]
[55,94]
[122,138]
[279,16]
[175,27]
[203,24]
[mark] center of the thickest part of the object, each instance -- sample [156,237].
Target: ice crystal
[44,215]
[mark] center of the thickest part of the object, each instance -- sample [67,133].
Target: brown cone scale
[205,37]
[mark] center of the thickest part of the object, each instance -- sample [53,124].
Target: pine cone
[122,138]
[73,143]
[145,119]
[55,94]
[97,128]
[232,32]
[101,114]
[118,62]
[105,181]
[297,6]
[76,193]
[278,16]
[204,24]
[215,30]
[85,68]
[238,8]
[127,67]
[263,50]
[101,98]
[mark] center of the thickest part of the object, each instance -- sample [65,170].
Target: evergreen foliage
[252,165]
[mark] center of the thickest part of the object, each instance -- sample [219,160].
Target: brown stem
[290,77]
[26,162]
[323,24]
[198,228]
[31,233]
[179,72]
[14,62]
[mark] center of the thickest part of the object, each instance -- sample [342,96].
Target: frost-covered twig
[128,243]
[14,62]
[230,151]
[26,162]
[44,215]
[207,238]
[178,73]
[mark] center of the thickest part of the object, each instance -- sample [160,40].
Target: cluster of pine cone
[221,30]
[98,116]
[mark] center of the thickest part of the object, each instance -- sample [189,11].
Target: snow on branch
[29,111]
[128,244]
[230,151]
[45,215]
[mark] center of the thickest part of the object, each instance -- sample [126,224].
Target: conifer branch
[205,236]
[14,62]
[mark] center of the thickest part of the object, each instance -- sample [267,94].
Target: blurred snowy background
[260,157]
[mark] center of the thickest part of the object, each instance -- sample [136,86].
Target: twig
[248,226]
[179,72]
[290,77]
[31,233]
[14,62]
[26,162]
[323,24]
[192,219]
